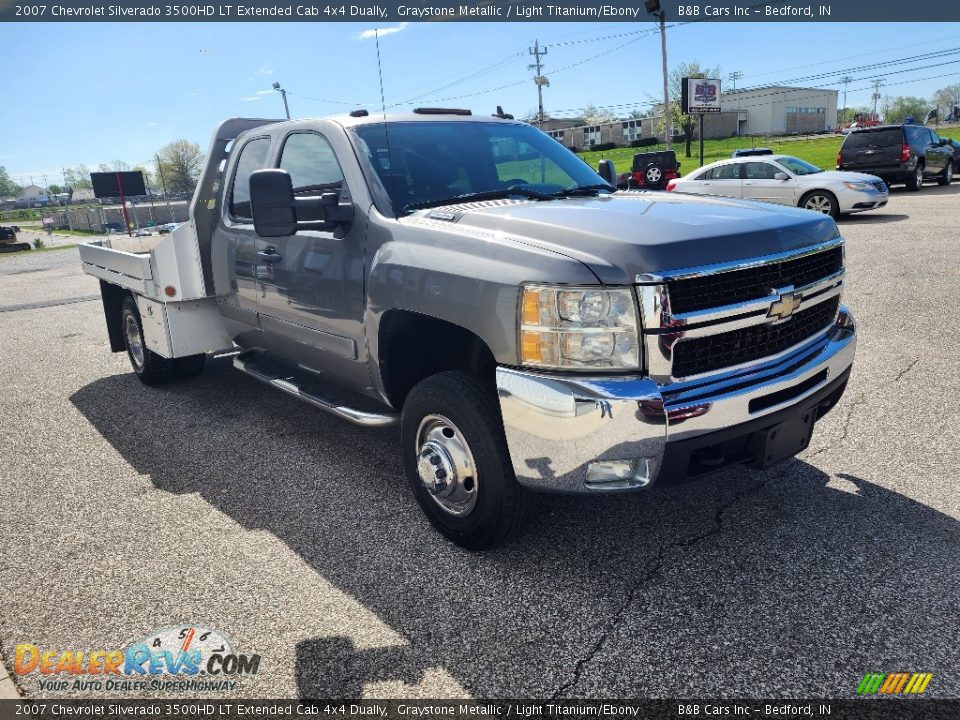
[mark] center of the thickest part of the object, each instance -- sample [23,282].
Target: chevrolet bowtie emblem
[785,306]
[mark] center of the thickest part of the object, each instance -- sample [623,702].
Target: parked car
[906,154]
[787,180]
[750,152]
[526,331]
[651,171]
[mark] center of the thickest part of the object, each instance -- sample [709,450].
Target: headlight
[861,186]
[585,328]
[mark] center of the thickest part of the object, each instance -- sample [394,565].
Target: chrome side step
[244,363]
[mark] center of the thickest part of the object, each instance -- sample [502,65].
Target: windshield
[798,166]
[426,162]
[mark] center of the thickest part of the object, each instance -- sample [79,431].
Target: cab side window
[253,156]
[311,163]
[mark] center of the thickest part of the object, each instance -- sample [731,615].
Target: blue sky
[91,93]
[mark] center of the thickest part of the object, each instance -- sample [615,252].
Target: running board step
[286,382]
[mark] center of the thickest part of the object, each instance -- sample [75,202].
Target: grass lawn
[58,231]
[821,151]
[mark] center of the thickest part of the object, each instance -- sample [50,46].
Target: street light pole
[286,108]
[653,8]
[734,76]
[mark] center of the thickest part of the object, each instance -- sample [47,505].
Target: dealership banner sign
[481,10]
[700,95]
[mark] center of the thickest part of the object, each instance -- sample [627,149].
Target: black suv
[898,154]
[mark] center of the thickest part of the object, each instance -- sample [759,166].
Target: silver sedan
[787,180]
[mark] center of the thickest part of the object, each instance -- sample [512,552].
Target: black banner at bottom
[857,709]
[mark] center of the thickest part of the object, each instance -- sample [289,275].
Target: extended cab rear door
[233,248]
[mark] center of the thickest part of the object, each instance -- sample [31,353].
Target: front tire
[821,201]
[457,463]
[150,368]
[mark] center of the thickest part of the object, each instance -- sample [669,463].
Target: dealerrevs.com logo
[190,658]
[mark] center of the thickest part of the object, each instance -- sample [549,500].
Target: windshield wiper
[584,190]
[484,195]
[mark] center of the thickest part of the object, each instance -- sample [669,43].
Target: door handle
[270,255]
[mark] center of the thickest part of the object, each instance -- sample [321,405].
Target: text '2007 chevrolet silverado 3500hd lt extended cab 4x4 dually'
[474,281]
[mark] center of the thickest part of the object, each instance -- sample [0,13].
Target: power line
[858,55]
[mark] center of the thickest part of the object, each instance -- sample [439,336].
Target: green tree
[77,177]
[686,123]
[897,109]
[8,188]
[946,98]
[180,163]
[594,116]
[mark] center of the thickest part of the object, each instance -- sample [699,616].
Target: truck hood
[624,235]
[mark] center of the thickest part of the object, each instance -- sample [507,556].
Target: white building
[32,196]
[782,110]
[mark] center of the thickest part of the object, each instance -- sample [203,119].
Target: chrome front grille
[727,288]
[732,318]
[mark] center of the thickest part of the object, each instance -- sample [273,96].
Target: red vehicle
[650,171]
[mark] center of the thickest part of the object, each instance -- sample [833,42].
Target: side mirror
[278,213]
[608,172]
[271,203]
[781,176]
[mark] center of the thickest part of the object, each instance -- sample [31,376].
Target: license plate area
[784,439]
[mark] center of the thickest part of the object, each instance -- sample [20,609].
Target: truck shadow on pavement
[789,582]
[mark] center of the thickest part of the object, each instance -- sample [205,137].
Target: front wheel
[152,369]
[821,201]
[457,463]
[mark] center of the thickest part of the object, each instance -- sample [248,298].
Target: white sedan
[787,180]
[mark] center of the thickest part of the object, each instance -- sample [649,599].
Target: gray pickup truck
[470,279]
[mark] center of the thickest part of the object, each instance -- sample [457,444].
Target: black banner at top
[387,11]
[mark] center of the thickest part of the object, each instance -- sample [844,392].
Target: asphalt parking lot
[219,502]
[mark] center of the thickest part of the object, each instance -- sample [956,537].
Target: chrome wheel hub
[818,203]
[446,466]
[654,175]
[134,341]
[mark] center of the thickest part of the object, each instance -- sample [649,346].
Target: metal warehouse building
[781,110]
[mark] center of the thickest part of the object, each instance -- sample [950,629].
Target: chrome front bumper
[559,427]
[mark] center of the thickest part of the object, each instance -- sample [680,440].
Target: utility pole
[734,76]
[876,94]
[539,79]
[163,184]
[846,81]
[667,123]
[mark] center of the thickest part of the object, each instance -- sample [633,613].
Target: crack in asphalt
[662,556]
[907,369]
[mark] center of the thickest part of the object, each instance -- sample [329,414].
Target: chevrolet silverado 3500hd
[474,281]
